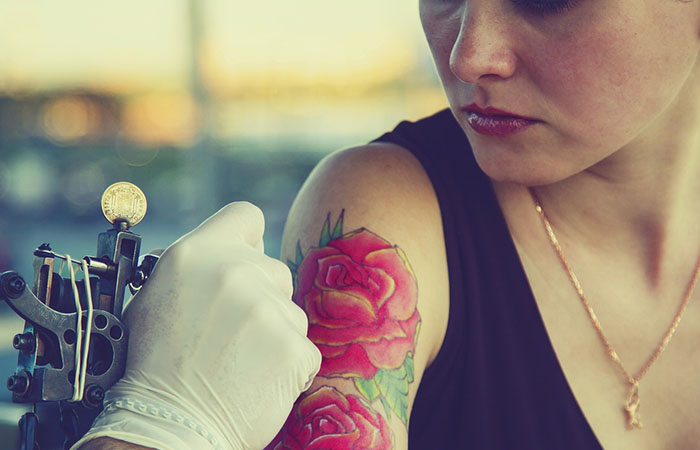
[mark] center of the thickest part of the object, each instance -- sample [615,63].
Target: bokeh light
[83,184]
[171,118]
[69,119]
[32,182]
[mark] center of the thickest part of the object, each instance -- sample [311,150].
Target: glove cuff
[151,425]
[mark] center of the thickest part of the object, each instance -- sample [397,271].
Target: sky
[133,45]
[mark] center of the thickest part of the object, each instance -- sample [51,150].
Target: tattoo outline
[360,294]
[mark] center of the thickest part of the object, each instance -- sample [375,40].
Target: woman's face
[598,75]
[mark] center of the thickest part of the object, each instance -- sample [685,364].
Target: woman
[598,122]
[446,255]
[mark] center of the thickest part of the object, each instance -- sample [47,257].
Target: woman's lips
[494,122]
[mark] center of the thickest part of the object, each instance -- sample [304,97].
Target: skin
[381,188]
[329,322]
[616,86]
[111,444]
[601,76]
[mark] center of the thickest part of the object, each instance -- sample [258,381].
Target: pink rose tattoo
[326,419]
[360,295]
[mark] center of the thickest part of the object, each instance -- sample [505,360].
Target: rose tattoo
[360,295]
[327,419]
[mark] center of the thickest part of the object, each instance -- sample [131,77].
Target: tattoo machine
[74,344]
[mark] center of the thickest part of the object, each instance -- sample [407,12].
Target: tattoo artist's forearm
[105,443]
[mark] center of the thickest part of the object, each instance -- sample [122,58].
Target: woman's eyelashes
[544,7]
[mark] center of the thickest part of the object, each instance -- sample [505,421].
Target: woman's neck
[649,212]
[643,199]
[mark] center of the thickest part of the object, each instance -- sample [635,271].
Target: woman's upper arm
[364,241]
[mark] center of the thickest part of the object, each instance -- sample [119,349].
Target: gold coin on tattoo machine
[124,202]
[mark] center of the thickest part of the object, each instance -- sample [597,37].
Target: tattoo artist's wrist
[106,443]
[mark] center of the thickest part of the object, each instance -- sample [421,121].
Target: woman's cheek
[608,81]
[441,30]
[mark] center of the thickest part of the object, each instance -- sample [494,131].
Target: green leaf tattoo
[409,368]
[338,230]
[368,388]
[326,234]
[393,386]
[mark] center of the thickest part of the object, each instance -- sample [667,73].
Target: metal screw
[24,342]
[94,395]
[19,383]
[13,285]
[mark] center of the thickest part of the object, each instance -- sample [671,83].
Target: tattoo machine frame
[46,366]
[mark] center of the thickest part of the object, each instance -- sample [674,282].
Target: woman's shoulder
[380,184]
[364,239]
[384,165]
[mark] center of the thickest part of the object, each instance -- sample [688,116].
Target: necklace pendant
[632,407]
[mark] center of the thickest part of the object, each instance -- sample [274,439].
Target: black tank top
[496,382]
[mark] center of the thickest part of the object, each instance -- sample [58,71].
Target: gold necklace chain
[632,402]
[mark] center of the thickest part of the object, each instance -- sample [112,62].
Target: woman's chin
[520,170]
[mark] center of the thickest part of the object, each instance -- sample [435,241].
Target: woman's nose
[483,47]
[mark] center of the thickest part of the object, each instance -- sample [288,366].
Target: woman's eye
[544,7]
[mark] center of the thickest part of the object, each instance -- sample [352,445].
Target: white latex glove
[217,349]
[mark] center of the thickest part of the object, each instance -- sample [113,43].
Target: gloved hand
[217,349]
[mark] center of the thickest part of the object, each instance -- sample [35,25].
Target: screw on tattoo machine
[73,346]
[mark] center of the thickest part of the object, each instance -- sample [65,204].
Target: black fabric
[496,382]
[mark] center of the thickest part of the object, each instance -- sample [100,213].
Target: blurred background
[198,102]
